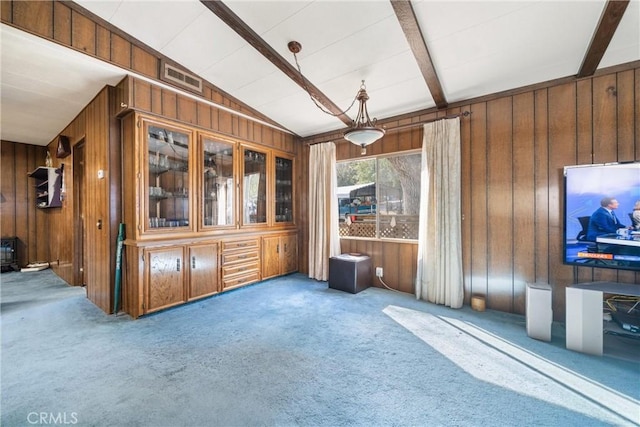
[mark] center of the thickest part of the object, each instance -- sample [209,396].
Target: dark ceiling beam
[243,30]
[609,20]
[409,23]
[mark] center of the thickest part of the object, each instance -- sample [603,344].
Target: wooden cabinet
[203,270]
[170,275]
[181,181]
[48,187]
[240,262]
[164,278]
[279,255]
[199,207]
[289,261]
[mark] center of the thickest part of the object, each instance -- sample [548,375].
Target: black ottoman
[350,273]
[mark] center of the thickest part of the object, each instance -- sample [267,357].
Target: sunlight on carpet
[495,360]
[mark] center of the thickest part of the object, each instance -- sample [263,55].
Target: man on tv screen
[603,220]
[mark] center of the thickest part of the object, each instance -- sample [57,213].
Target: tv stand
[584,313]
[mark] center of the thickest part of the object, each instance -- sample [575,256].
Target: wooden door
[203,270]
[164,277]
[289,245]
[270,256]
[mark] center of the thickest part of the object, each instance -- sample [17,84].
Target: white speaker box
[539,311]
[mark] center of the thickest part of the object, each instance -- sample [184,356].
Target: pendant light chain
[315,101]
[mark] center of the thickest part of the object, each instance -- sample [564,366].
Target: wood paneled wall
[149,98]
[514,149]
[19,216]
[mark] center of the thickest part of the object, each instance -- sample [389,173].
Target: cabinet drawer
[241,280]
[240,244]
[244,268]
[236,257]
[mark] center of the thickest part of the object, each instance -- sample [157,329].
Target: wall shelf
[48,187]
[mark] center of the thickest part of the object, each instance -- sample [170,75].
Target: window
[380,197]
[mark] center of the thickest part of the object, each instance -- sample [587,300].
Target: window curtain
[324,238]
[439,276]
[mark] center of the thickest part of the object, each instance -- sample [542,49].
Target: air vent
[186,80]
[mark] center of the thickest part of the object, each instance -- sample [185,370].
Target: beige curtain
[439,276]
[324,240]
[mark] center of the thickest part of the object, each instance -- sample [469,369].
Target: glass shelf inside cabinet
[254,187]
[217,183]
[168,178]
[284,189]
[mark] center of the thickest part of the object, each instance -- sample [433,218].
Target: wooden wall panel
[8,192]
[62,244]
[624,108]
[636,134]
[478,194]
[187,110]
[20,217]
[100,246]
[541,214]
[120,51]
[605,136]
[25,156]
[562,149]
[204,116]
[524,235]
[62,25]
[103,43]
[144,62]
[6,10]
[142,95]
[500,205]
[34,16]
[169,104]
[83,34]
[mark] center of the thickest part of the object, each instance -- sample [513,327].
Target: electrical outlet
[378,271]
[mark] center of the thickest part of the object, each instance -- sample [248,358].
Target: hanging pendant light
[363,131]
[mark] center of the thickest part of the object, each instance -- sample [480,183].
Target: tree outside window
[380,197]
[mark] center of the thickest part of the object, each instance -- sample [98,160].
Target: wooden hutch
[206,208]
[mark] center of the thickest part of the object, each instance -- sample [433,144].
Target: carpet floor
[292,352]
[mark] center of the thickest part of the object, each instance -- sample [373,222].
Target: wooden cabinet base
[160,275]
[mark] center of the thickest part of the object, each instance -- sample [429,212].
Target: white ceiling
[477,47]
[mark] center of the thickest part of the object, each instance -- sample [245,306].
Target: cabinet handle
[285,247]
[278,248]
[193,262]
[178,264]
[242,256]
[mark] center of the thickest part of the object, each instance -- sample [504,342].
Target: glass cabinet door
[254,187]
[167,159]
[218,184]
[284,189]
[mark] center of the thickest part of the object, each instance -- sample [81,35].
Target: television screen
[598,215]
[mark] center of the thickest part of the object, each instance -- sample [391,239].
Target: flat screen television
[585,188]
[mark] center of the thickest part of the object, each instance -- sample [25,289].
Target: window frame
[376,158]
